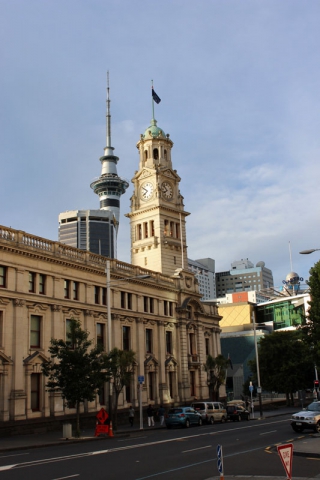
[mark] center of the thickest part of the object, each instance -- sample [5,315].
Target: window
[100,334]
[67,289]
[126,338]
[139,231]
[207,346]
[167,308]
[192,383]
[68,333]
[171,376]
[192,344]
[155,154]
[42,284]
[169,341]
[128,393]
[35,326]
[126,300]
[75,290]
[104,296]
[97,295]
[3,277]
[145,228]
[152,228]
[35,392]
[32,278]
[148,340]
[148,304]
[151,385]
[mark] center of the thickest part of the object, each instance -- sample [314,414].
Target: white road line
[70,476]
[266,433]
[7,467]
[195,449]
[13,455]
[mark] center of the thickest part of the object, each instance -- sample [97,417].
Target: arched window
[155,153]
[146,154]
[165,154]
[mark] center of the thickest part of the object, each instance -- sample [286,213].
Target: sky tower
[109,186]
[96,230]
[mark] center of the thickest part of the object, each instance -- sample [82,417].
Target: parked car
[236,412]
[183,417]
[308,418]
[211,411]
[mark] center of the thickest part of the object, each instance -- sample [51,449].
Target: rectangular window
[171,376]
[67,289]
[145,304]
[207,346]
[139,231]
[192,343]
[35,330]
[151,305]
[151,385]
[100,334]
[42,284]
[145,227]
[152,228]
[96,295]
[192,383]
[148,340]
[128,393]
[126,338]
[123,299]
[75,290]
[104,296]
[68,332]
[165,307]
[35,392]
[169,342]
[3,277]
[32,278]
[129,305]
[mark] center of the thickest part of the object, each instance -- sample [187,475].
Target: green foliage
[284,361]
[73,370]
[216,369]
[311,328]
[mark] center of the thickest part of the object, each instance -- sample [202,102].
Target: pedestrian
[161,415]
[131,415]
[150,413]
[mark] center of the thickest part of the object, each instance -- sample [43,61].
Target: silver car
[308,418]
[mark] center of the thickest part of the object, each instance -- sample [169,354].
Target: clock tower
[157,218]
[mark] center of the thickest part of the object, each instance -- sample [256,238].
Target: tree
[121,368]
[216,369]
[73,370]
[284,363]
[311,327]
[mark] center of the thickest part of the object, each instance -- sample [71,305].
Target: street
[165,454]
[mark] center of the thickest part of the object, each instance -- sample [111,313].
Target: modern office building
[204,270]
[243,276]
[96,230]
[92,230]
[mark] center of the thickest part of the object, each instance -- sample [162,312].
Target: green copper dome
[153,131]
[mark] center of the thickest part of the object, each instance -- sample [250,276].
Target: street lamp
[109,322]
[306,252]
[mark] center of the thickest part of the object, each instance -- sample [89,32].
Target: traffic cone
[110,434]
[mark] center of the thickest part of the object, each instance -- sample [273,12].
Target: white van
[211,412]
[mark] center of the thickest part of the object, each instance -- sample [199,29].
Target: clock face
[167,190]
[146,190]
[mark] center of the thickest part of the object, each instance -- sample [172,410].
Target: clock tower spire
[157,217]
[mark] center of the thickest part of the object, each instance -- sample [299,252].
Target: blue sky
[239,83]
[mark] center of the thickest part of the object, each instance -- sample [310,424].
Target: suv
[237,412]
[308,418]
[211,411]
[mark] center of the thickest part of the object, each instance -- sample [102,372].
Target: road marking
[195,449]
[266,433]
[69,476]
[14,455]
[127,447]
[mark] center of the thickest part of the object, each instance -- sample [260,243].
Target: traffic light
[316,384]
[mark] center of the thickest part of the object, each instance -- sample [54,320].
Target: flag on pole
[155,96]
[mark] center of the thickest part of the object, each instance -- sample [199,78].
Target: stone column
[183,379]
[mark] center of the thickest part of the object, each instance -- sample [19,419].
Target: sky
[240,97]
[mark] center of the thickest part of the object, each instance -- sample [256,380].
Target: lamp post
[257,361]
[109,322]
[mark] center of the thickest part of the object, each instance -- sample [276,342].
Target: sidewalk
[304,445]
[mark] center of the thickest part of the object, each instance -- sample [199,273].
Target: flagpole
[152,100]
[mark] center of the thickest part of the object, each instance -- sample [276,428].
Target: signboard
[251,388]
[101,427]
[141,379]
[220,460]
[286,453]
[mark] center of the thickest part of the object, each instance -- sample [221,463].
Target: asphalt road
[179,454]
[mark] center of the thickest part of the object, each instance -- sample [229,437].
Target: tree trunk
[78,432]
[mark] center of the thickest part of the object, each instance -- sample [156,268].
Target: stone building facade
[43,284]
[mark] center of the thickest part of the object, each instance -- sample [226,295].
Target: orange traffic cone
[110,434]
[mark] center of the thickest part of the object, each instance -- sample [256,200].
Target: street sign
[220,460]
[251,388]
[286,453]
[141,379]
